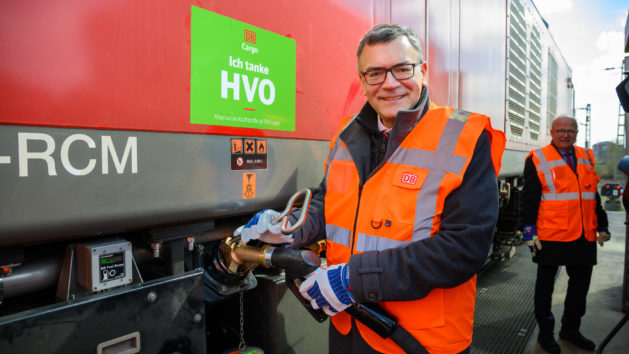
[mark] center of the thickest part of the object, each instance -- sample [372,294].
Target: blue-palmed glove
[603,235]
[328,289]
[531,240]
[261,228]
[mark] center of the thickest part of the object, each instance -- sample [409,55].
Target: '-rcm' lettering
[30,149]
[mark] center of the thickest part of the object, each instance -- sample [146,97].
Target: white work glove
[531,239]
[603,235]
[260,228]
[328,289]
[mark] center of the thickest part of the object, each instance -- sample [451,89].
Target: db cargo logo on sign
[241,75]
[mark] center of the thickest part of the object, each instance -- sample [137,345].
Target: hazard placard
[248,185]
[250,146]
[261,146]
[248,153]
[236,146]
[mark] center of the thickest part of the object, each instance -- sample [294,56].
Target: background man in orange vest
[561,214]
[399,207]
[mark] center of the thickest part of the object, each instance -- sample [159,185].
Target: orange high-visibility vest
[401,203]
[568,205]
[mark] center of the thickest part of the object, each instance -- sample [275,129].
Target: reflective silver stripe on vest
[556,163]
[568,196]
[584,162]
[366,242]
[338,235]
[338,151]
[560,196]
[438,163]
[544,167]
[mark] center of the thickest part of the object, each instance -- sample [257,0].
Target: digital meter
[104,265]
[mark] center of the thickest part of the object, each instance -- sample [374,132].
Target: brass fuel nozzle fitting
[239,258]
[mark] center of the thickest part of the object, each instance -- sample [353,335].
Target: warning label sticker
[248,185]
[250,146]
[248,154]
[261,147]
[236,146]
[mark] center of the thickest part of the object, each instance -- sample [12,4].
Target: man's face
[392,95]
[563,133]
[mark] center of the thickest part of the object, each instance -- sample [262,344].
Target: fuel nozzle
[223,276]
[230,262]
[240,258]
[296,263]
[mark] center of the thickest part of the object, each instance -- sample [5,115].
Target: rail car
[136,135]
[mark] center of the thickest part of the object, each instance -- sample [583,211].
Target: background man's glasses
[377,76]
[564,131]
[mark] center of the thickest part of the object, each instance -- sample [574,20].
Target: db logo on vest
[408,178]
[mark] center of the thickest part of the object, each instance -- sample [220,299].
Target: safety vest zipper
[381,151]
[360,192]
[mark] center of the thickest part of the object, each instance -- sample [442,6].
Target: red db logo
[408,178]
[250,36]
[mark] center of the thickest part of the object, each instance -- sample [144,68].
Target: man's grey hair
[384,33]
[574,121]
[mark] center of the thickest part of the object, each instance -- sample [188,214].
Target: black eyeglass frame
[568,132]
[390,70]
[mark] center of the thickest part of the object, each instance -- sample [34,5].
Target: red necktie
[569,161]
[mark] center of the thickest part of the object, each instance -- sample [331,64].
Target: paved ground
[504,321]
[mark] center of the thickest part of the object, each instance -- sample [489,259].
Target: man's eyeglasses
[570,132]
[402,71]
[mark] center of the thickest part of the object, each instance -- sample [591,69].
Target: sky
[590,34]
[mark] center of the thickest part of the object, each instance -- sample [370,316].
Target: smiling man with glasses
[398,207]
[562,219]
[392,75]
[564,133]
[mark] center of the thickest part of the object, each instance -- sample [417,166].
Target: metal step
[504,319]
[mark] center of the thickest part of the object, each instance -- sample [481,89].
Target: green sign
[241,75]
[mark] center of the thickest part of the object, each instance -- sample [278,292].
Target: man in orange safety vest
[407,206]
[562,219]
